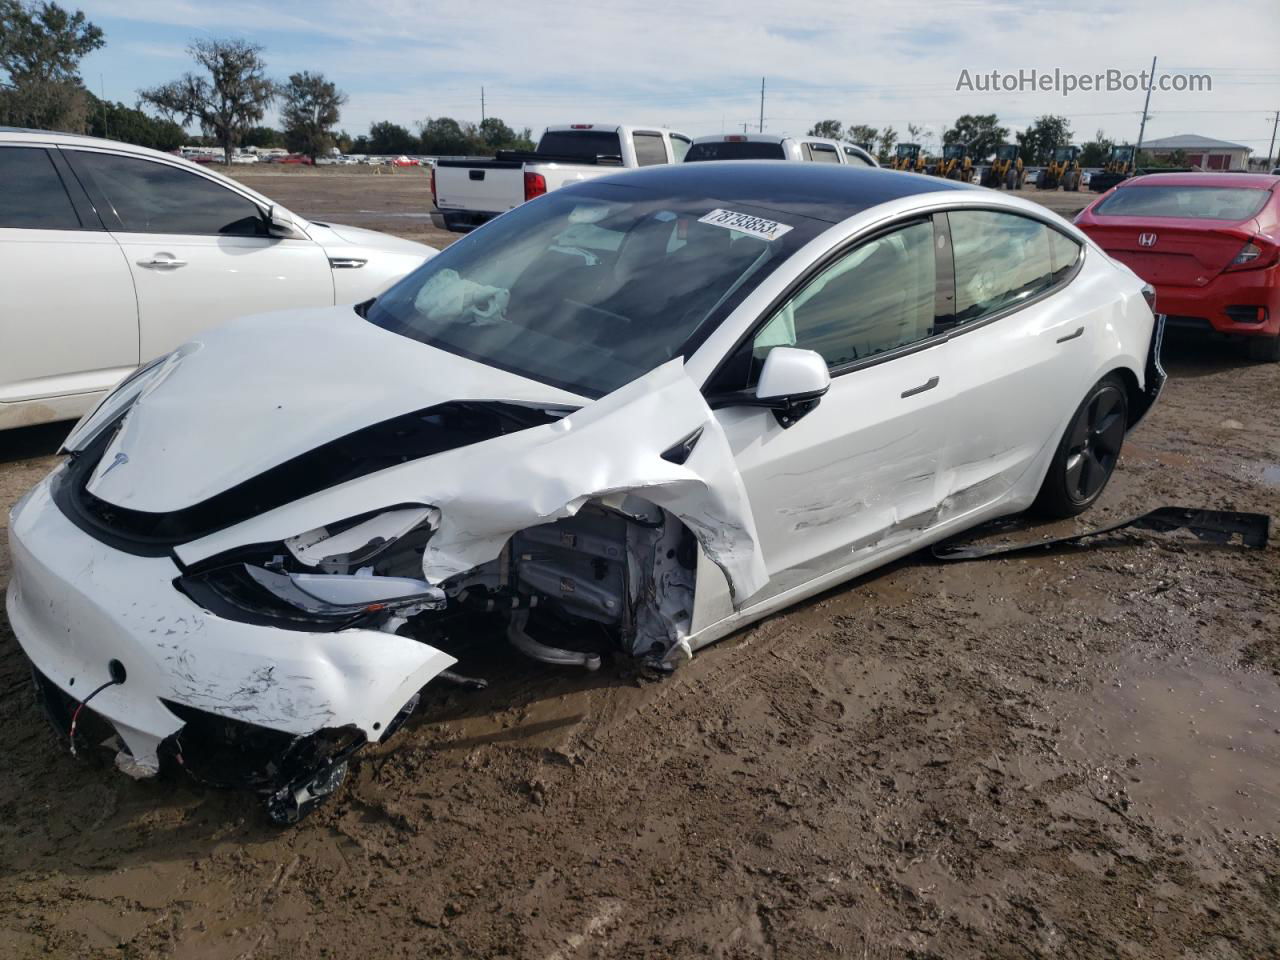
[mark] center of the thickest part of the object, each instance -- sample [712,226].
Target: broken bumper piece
[294,699]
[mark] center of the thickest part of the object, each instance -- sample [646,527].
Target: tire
[1265,349]
[1011,179]
[1087,453]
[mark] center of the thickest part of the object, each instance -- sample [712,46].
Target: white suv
[114,254]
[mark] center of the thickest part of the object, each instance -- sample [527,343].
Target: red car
[1208,242]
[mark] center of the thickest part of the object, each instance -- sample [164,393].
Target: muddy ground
[1069,755]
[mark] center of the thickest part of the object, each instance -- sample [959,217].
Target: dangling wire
[71,734]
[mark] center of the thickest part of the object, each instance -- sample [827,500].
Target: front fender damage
[605,451]
[594,519]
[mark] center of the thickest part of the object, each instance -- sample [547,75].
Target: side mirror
[280,222]
[792,382]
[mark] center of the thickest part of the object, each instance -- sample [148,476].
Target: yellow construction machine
[1005,170]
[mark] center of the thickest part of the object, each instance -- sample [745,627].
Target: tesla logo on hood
[1146,239]
[120,458]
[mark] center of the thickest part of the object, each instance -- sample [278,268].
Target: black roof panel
[823,191]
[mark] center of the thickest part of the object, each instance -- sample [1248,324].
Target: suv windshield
[591,286]
[1197,203]
[735,150]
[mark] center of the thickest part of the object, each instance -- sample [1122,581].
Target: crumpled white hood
[487,491]
[261,390]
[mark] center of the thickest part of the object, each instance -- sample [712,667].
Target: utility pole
[745,126]
[482,104]
[1142,129]
[761,105]
[1274,123]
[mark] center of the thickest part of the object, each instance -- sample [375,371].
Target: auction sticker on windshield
[745,223]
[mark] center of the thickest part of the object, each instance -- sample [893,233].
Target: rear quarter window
[1195,203]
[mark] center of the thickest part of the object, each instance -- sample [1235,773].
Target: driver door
[858,476]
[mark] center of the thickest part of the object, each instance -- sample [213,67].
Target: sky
[697,66]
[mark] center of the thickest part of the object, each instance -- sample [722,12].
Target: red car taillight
[535,185]
[1255,254]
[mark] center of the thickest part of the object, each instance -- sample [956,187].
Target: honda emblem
[1146,239]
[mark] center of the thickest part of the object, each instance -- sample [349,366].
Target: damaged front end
[303,610]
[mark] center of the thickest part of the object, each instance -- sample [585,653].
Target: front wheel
[1087,454]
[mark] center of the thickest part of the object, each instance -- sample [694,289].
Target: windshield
[738,150]
[1196,203]
[592,286]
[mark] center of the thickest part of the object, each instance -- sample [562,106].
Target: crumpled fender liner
[1210,526]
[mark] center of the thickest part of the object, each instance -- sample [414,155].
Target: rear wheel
[1266,349]
[1088,452]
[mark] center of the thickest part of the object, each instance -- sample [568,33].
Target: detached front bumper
[75,604]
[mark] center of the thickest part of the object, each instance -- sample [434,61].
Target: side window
[877,297]
[679,147]
[1063,254]
[151,197]
[823,153]
[1001,259]
[650,150]
[853,157]
[31,192]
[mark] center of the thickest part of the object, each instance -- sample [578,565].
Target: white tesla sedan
[114,254]
[650,408]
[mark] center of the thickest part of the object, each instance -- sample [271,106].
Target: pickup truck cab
[469,193]
[767,146]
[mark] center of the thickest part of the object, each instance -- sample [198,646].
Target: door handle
[161,260]
[927,385]
[1079,331]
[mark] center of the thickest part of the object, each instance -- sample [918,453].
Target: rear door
[69,319]
[1020,351]
[198,250]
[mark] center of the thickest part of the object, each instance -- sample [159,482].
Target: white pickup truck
[469,193]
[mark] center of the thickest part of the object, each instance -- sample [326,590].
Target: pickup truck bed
[469,193]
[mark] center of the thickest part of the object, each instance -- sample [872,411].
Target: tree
[386,137]
[311,110]
[1097,151]
[41,46]
[343,141]
[831,129]
[262,136]
[130,125]
[444,136]
[495,134]
[887,140]
[861,133]
[234,96]
[1037,143]
[981,133]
